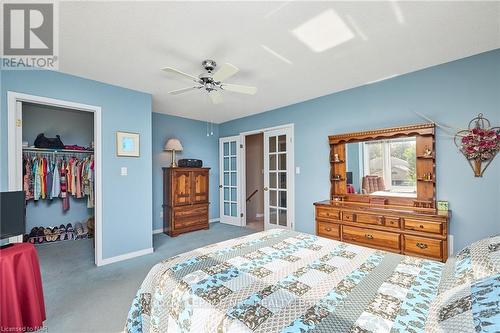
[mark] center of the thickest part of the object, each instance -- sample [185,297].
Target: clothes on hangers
[49,177]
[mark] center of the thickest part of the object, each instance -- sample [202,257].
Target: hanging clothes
[49,177]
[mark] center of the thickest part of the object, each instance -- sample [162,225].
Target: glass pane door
[277,179]
[229,184]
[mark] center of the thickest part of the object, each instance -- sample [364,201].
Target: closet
[58,180]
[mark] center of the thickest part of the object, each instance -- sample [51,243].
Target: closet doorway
[62,180]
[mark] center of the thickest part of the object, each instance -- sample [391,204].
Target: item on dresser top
[190,163]
[51,143]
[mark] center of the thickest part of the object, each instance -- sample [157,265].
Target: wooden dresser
[388,219]
[185,200]
[401,230]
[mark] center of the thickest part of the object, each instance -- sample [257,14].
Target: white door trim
[14,154]
[243,182]
[237,220]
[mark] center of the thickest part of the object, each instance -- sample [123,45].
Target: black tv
[12,214]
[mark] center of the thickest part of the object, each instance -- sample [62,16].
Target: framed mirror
[393,166]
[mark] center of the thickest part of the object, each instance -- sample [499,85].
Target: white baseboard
[159,231]
[125,256]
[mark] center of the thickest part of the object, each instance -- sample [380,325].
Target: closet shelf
[62,151]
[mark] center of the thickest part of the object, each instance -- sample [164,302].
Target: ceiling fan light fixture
[212,83]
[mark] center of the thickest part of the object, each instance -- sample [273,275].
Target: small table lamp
[173,145]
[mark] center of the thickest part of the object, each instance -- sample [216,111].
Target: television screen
[12,214]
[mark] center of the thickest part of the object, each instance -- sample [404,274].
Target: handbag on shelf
[50,143]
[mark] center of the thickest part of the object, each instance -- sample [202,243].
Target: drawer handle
[368,236]
[421,226]
[421,246]
[328,229]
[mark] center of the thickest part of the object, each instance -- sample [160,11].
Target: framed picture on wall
[127,144]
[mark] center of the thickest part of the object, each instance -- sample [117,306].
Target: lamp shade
[173,145]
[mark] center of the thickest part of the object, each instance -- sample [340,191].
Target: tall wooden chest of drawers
[402,230]
[185,200]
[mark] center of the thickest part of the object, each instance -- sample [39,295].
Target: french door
[278,179]
[229,187]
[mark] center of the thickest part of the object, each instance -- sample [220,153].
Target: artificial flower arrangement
[479,143]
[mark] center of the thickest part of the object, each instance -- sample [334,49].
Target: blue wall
[75,128]
[451,94]
[127,201]
[196,144]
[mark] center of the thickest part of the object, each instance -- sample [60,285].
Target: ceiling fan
[212,82]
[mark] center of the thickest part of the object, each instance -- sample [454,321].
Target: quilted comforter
[285,281]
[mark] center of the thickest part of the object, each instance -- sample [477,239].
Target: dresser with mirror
[383,192]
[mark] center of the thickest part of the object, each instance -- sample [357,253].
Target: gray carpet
[81,297]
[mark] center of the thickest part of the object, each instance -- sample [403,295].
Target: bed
[285,281]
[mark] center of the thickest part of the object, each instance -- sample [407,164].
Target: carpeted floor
[81,297]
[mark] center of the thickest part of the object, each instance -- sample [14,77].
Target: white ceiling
[126,44]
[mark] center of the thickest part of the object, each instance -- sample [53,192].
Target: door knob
[220,186]
[266,189]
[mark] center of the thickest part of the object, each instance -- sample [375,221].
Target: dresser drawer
[393,222]
[423,246]
[363,218]
[327,213]
[377,238]
[191,210]
[190,221]
[424,226]
[331,230]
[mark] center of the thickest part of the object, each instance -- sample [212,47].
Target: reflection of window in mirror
[382,167]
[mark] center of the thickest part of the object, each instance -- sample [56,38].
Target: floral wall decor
[479,143]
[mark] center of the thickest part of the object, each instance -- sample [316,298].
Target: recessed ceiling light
[323,31]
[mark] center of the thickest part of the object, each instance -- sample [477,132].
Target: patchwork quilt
[285,281]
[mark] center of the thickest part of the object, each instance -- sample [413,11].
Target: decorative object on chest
[173,145]
[383,192]
[185,200]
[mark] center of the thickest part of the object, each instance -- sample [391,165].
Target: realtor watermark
[30,35]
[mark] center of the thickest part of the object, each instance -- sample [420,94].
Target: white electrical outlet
[123,171]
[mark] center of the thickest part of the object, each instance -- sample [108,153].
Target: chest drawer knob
[421,226]
[368,236]
[421,245]
[328,229]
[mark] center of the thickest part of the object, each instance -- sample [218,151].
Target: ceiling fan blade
[180,73]
[239,88]
[227,70]
[215,96]
[183,90]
